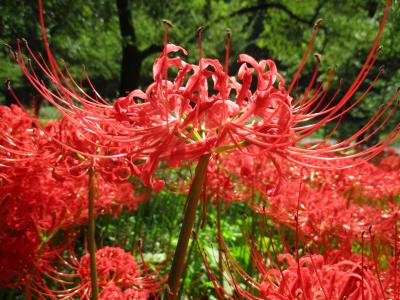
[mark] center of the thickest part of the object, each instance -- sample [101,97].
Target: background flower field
[203,172]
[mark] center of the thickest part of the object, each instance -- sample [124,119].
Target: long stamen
[303,60]
[227,49]
[200,78]
[167,25]
[199,40]
[225,91]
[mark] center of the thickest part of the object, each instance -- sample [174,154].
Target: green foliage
[79,32]
[157,223]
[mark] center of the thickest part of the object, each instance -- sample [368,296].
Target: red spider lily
[219,185]
[323,217]
[334,202]
[325,213]
[220,180]
[391,278]
[281,276]
[17,257]
[21,143]
[59,172]
[183,118]
[256,171]
[45,190]
[372,182]
[317,279]
[120,277]
[35,206]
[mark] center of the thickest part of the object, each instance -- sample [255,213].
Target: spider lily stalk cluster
[325,210]
[199,112]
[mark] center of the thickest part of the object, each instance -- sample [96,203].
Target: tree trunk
[130,69]
[131,56]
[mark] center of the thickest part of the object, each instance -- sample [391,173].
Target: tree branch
[278,6]
[151,50]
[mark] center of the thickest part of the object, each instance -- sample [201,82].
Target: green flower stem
[46,238]
[189,256]
[91,237]
[224,148]
[220,246]
[178,262]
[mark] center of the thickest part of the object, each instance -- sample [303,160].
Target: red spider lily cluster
[331,212]
[120,277]
[44,190]
[310,276]
[256,132]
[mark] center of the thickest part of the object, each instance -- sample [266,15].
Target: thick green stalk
[91,237]
[189,256]
[178,262]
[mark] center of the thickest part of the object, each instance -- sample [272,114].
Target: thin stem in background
[220,249]
[396,258]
